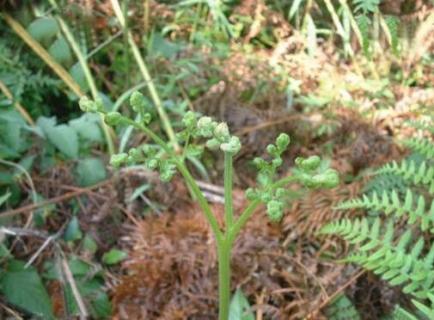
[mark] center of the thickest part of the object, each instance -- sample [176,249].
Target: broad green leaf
[11,133]
[239,308]
[78,267]
[73,231]
[60,51]
[87,127]
[24,289]
[43,29]
[90,171]
[89,244]
[77,74]
[45,123]
[114,256]
[163,47]
[65,139]
[41,214]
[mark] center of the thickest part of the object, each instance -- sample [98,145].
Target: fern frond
[380,183]
[366,6]
[398,264]
[424,309]
[418,174]
[389,202]
[423,146]
[342,308]
[392,24]
[402,314]
[422,125]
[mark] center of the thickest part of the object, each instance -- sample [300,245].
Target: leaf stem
[228,173]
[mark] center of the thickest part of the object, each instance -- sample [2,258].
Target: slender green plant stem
[247,213]
[229,210]
[224,249]
[242,220]
[89,78]
[146,75]
[203,203]
[339,27]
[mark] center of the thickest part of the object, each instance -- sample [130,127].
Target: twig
[75,292]
[12,312]
[52,200]
[17,105]
[335,294]
[23,232]
[267,124]
[44,245]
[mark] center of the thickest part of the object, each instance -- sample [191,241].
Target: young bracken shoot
[311,173]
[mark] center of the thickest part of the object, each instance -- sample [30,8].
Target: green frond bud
[277,162]
[206,126]
[213,144]
[275,210]
[167,171]
[264,179]
[306,180]
[259,163]
[282,141]
[251,194]
[326,179]
[137,102]
[331,179]
[151,163]
[113,118]
[272,149]
[194,151]
[308,164]
[280,193]
[147,149]
[221,132]
[135,154]
[88,105]
[232,146]
[147,117]
[189,120]
[117,160]
[266,196]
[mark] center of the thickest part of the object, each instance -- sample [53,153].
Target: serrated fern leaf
[422,125]
[342,308]
[386,181]
[366,6]
[423,146]
[392,24]
[402,314]
[418,174]
[398,263]
[389,202]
